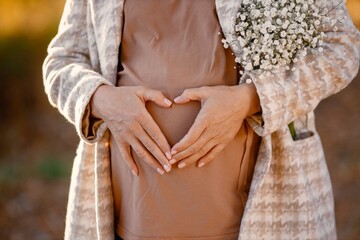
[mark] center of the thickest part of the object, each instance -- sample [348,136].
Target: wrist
[250,99]
[98,100]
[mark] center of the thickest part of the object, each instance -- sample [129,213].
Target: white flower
[249,66]
[284,11]
[285,24]
[273,12]
[242,42]
[225,43]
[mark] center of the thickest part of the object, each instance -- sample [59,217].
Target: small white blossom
[225,43]
[249,66]
[248,81]
[286,24]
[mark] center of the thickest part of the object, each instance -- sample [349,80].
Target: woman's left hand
[223,109]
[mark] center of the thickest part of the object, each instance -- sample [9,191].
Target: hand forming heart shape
[223,109]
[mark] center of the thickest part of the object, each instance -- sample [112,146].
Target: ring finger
[194,149]
[144,155]
[211,154]
[153,148]
[126,154]
[199,154]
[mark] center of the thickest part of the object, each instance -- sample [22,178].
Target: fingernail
[133,172]
[173,152]
[168,155]
[177,99]
[201,164]
[172,161]
[160,171]
[181,165]
[167,168]
[167,102]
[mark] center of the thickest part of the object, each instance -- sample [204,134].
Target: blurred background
[37,145]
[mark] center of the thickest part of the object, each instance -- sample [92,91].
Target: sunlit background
[37,145]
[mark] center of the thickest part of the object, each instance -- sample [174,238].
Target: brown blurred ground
[37,145]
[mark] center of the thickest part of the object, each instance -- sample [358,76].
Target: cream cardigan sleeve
[287,95]
[69,77]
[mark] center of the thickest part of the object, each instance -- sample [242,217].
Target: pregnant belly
[175,121]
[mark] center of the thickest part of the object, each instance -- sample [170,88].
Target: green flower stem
[292,130]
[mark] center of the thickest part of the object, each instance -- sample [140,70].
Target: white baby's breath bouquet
[275,34]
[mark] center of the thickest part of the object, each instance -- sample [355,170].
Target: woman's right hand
[123,110]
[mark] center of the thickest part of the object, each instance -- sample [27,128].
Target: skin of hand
[123,110]
[223,110]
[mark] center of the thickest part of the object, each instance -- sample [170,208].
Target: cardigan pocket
[302,129]
[303,148]
[306,146]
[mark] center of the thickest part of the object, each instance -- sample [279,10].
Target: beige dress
[171,46]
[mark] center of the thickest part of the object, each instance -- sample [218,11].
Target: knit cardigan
[291,195]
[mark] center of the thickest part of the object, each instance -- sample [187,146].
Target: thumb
[192,94]
[156,97]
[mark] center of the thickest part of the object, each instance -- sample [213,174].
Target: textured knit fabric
[290,195]
[196,203]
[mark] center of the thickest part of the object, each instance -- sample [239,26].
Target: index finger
[191,137]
